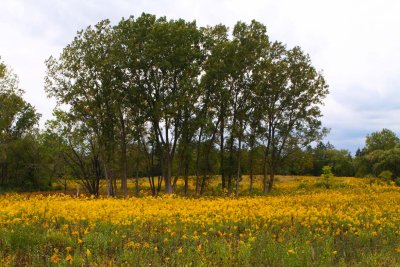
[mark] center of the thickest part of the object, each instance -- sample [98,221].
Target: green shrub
[326,177]
[386,175]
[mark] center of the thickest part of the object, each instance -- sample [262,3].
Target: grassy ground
[354,223]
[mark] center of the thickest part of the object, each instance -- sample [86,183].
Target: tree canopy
[173,91]
[381,140]
[18,123]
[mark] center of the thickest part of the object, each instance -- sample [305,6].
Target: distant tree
[385,160]
[381,153]
[341,161]
[19,154]
[320,157]
[359,152]
[79,153]
[299,162]
[53,151]
[382,140]
[2,69]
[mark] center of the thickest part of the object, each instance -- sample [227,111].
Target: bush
[326,177]
[386,175]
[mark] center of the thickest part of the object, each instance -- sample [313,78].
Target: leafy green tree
[216,109]
[341,161]
[2,69]
[19,155]
[83,77]
[170,67]
[249,42]
[299,162]
[76,150]
[162,84]
[382,140]
[290,91]
[130,37]
[381,153]
[385,160]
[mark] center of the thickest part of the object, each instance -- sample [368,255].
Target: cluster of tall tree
[19,167]
[156,98]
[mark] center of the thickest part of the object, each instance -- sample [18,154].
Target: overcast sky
[355,43]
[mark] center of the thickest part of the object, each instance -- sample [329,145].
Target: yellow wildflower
[55,258]
[69,258]
[291,251]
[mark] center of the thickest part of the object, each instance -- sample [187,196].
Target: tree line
[163,100]
[19,149]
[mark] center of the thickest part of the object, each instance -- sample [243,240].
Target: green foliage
[386,175]
[362,166]
[326,177]
[72,152]
[382,140]
[381,154]
[20,155]
[165,89]
[282,101]
[2,69]
[326,154]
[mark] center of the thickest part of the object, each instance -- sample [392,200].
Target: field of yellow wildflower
[355,223]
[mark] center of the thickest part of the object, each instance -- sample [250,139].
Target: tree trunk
[64,183]
[181,162]
[124,179]
[137,177]
[198,160]
[152,185]
[168,174]
[251,167]
[221,155]
[108,188]
[98,176]
[271,181]
[203,183]
[271,175]
[230,168]
[238,164]
[114,186]
[159,183]
[251,182]
[265,173]
[186,177]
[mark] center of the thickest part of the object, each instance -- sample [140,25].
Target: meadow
[356,222]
